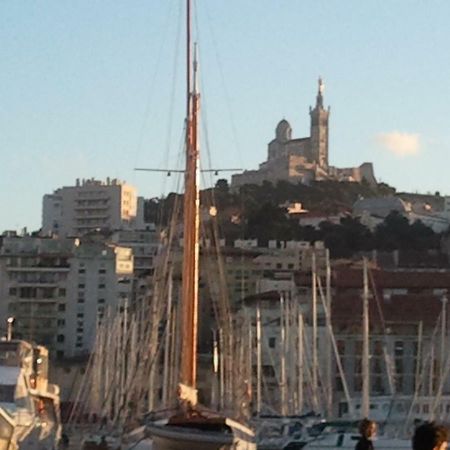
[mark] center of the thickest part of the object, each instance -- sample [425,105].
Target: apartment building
[99,285]
[90,205]
[58,290]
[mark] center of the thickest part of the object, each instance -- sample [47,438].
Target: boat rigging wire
[152,80]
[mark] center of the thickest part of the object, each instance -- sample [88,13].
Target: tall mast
[365,349]
[258,359]
[315,400]
[191,223]
[283,356]
[328,344]
[188,63]
[300,353]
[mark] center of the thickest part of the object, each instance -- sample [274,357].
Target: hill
[260,212]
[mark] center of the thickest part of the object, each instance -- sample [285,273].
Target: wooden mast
[191,225]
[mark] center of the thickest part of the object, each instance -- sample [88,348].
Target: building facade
[58,290]
[91,205]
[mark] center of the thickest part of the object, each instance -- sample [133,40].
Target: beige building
[145,245]
[91,205]
[302,160]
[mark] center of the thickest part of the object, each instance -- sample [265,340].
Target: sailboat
[191,426]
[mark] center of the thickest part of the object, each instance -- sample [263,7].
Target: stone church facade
[303,160]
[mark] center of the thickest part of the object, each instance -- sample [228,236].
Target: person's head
[367,428]
[430,436]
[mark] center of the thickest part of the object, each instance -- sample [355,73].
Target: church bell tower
[319,129]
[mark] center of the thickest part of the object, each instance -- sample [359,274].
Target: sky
[95,88]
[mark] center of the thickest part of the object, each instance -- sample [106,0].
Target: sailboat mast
[365,349]
[315,363]
[191,224]
[258,359]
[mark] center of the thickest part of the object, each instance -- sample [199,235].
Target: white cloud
[401,144]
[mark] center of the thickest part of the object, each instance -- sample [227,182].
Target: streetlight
[10,321]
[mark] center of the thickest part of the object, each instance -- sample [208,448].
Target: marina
[299,304]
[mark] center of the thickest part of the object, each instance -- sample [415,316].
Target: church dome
[283,131]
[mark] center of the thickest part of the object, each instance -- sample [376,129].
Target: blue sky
[94,88]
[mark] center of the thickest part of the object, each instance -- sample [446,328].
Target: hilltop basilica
[303,159]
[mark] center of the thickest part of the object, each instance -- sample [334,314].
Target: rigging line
[152,82]
[173,92]
[224,86]
[390,369]
[423,373]
[220,301]
[377,299]
[160,219]
[204,117]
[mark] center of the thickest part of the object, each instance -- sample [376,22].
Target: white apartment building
[99,284]
[91,205]
[57,289]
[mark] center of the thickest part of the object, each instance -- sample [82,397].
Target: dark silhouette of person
[367,429]
[430,436]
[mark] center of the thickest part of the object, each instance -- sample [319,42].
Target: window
[80,330]
[81,271]
[61,322]
[60,338]
[81,300]
[398,348]
[7,393]
[12,291]
[268,371]
[102,271]
[80,315]
[62,292]
[101,300]
[28,292]
[272,342]
[60,355]
[61,307]
[81,286]
[101,286]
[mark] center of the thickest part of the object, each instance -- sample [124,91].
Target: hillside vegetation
[260,212]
